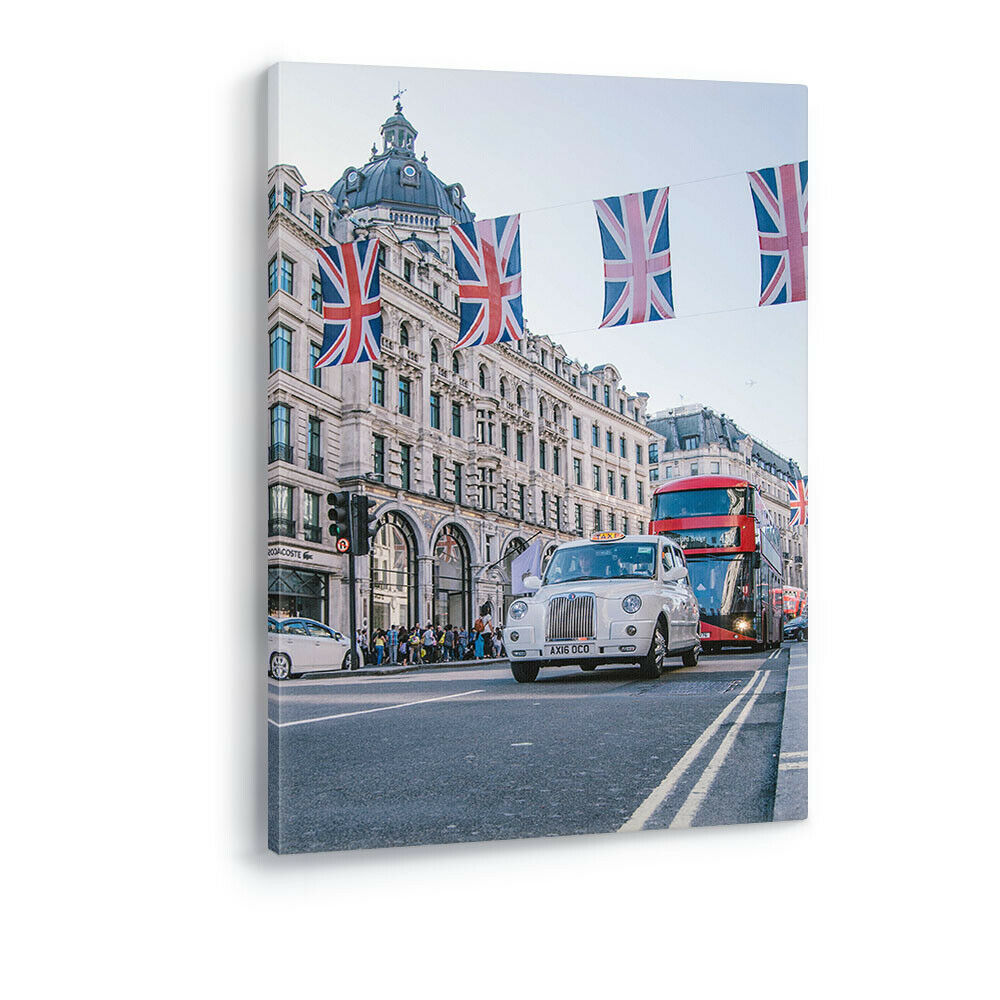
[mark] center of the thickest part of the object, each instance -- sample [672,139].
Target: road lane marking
[798,687]
[795,753]
[801,666]
[649,805]
[792,765]
[687,812]
[522,744]
[366,711]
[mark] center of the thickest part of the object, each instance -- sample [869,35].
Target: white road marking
[801,666]
[798,687]
[522,744]
[792,765]
[365,711]
[687,812]
[795,753]
[638,819]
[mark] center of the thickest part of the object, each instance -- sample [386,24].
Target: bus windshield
[707,538]
[698,503]
[722,584]
[602,561]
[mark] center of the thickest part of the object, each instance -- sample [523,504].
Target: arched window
[455,366]
[555,413]
[393,573]
[452,578]
[503,388]
[404,335]
[435,353]
[520,397]
[482,376]
[541,408]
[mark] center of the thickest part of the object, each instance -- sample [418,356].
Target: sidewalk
[387,669]
[791,794]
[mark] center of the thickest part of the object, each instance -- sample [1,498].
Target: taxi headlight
[631,604]
[518,610]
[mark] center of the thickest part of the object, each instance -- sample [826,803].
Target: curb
[791,791]
[413,668]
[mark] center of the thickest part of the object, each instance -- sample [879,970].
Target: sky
[546,146]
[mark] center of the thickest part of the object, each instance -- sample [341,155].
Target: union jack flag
[352,309]
[781,201]
[798,502]
[635,235]
[488,261]
[447,549]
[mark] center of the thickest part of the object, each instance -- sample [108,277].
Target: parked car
[797,628]
[303,646]
[614,598]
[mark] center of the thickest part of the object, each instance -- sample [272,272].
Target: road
[446,755]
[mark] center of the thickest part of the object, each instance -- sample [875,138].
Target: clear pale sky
[519,142]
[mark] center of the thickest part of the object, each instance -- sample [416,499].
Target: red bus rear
[733,552]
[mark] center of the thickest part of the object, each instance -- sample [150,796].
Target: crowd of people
[431,643]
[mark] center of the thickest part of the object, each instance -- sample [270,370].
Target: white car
[612,599]
[303,646]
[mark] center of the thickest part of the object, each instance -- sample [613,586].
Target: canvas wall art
[537,536]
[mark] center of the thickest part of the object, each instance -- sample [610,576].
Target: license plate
[570,650]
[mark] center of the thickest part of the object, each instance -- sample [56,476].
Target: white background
[133,573]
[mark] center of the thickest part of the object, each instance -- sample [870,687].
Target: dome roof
[396,177]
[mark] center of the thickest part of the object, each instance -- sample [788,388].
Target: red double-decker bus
[733,552]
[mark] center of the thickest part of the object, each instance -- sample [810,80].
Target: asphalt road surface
[459,754]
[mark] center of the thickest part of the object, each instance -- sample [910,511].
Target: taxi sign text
[606,536]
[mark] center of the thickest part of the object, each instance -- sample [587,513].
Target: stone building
[469,454]
[694,440]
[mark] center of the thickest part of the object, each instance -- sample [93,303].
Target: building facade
[694,440]
[470,455]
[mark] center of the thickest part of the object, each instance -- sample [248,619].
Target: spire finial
[397,97]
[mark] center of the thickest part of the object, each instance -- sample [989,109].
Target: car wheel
[588,666]
[654,662]
[690,656]
[524,671]
[281,666]
[803,635]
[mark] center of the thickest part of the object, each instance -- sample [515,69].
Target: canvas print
[538,501]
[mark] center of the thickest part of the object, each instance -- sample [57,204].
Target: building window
[404,336]
[317,222]
[575,381]
[458,482]
[436,291]
[521,504]
[408,271]
[281,349]
[520,446]
[381,254]
[279,511]
[638,454]
[611,482]
[404,396]
[621,406]
[316,295]
[286,197]
[456,420]
[694,468]
[311,529]
[623,481]
[715,468]
[576,428]
[520,397]
[593,392]
[607,396]
[503,388]
[280,450]
[436,410]
[545,508]
[541,455]
[609,442]
[654,453]
[654,474]
[545,357]
[404,466]
[578,517]
[624,525]
[597,519]
[611,521]
[456,367]
[482,376]
[622,447]
[595,436]
[287,275]
[541,408]
[272,201]
[504,439]
[435,353]
[690,441]
[378,456]
[455,302]
[639,492]
[436,474]
[577,472]
[378,385]
[315,444]
[315,374]
[597,477]
[555,462]
[272,276]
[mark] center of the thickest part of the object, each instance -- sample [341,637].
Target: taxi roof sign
[606,536]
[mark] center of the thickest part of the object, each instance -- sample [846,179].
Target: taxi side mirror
[675,573]
[532,583]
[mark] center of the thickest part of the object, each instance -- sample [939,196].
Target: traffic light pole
[352,585]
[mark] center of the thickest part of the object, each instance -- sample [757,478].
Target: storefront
[452,578]
[394,574]
[514,548]
[297,593]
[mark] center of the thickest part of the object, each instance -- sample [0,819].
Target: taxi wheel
[690,657]
[588,666]
[655,660]
[524,672]
[281,666]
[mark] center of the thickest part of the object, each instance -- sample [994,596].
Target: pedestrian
[498,649]
[479,641]
[488,636]
[463,641]
[392,637]
[379,647]
[430,643]
[449,642]
[403,648]
[416,652]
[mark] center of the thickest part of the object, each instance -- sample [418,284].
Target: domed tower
[397,180]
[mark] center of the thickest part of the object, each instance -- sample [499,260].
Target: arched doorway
[514,548]
[393,573]
[452,578]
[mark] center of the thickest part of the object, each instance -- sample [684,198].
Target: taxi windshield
[602,561]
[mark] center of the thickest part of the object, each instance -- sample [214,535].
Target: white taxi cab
[613,598]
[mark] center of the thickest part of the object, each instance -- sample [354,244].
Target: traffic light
[365,524]
[339,515]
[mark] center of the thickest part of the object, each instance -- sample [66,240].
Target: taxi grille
[570,617]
